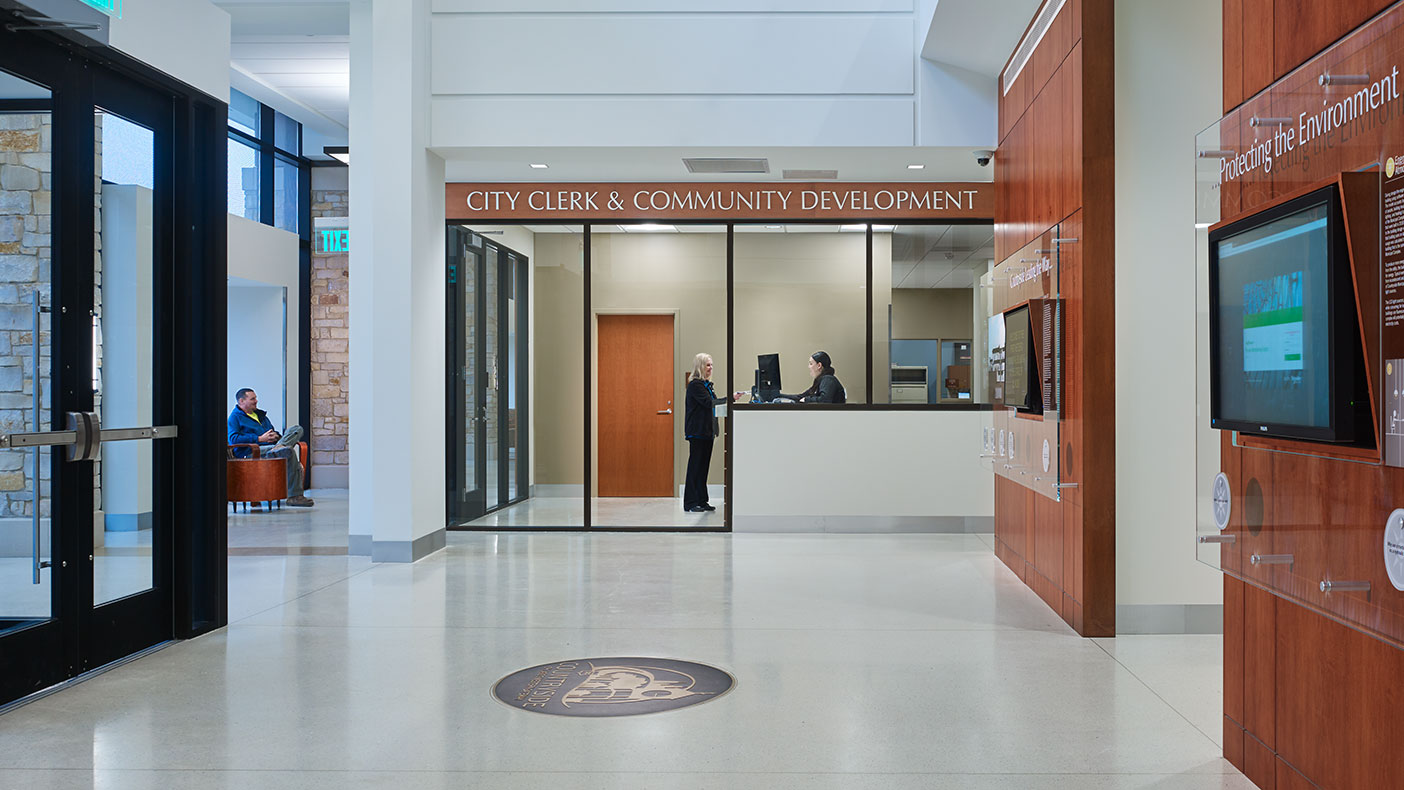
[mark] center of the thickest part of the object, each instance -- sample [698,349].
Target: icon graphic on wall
[598,687]
[1389,167]
[1394,412]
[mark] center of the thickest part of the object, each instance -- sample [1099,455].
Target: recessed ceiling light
[916,167]
[340,153]
[774,227]
[536,166]
[854,227]
[648,227]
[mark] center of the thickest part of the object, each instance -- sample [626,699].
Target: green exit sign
[112,8]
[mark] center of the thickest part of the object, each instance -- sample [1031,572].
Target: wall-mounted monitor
[1286,358]
[1021,381]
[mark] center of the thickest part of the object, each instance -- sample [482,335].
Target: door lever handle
[666,411]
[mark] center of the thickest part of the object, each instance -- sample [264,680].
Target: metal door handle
[666,411]
[85,435]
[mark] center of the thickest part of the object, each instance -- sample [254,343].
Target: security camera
[982,158]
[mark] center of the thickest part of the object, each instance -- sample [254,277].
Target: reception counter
[854,468]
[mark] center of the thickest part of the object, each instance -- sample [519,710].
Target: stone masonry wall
[331,383]
[26,143]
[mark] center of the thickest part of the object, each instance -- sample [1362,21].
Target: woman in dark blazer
[826,387]
[700,427]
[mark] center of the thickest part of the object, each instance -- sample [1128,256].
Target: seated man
[250,425]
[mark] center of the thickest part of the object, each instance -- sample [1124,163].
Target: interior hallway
[867,661]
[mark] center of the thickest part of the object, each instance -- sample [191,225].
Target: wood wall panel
[1257,29]
[1234,594]
[1233,54]
[1302,28]
[1259,664]
[1289,779]
[1055,169]
[1259,763]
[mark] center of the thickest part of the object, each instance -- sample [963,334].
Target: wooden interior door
[635,406]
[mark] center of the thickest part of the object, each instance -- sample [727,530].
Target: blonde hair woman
[700,428]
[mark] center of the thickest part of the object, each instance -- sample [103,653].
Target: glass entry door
[86,409]
[487,376]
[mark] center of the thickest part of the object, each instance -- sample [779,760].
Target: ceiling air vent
[1030,43]
[811,175]
[726,165]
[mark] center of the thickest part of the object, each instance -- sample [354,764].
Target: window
[267,174]
[244,180]
[285,193]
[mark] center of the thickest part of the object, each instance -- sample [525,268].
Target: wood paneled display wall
[1308,702]
[1054,167]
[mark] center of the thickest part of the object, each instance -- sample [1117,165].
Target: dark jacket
[243,430]
[826,389]
[700,410]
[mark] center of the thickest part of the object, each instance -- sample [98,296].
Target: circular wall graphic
[1001,441]
[1394,548]
[1223,501]
[597,687]
[1011,445]
[1046,457]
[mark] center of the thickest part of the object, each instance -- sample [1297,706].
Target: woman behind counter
[700,427]
[826,387]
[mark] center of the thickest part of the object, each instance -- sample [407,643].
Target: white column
[397,294]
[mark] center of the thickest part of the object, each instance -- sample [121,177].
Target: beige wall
[683,273]
[558,422]
[795,293]
[933,313]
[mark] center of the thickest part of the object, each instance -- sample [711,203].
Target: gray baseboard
[127,522]
[1205,618]
[358,545]
[575,490]
[408,551]
[330,476]
[864,524]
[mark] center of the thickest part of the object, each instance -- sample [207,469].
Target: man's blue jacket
[243,430]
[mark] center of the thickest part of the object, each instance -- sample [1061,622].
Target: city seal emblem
[596,687]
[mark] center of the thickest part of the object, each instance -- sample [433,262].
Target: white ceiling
[665,164]
[977,35]
[295,56]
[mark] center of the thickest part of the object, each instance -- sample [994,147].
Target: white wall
[1168,88]
[262,254]
[256,322]
[858,470]
[187,39]
[687,73]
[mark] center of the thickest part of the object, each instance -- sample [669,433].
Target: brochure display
[1025,362]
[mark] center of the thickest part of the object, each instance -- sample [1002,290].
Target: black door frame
[511,272]
[189,594]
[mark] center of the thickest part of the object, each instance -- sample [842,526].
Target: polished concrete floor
[863,661]
[621,512]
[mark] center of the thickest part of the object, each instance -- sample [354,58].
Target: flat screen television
[1021,381]
[1284,342]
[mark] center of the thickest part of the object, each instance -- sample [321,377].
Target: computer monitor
[768,376]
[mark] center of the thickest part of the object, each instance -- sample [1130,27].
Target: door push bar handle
[666,411]
[87,439]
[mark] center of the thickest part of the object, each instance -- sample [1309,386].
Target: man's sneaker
[298,501]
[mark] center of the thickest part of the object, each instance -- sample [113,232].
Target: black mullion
[588,379]
[730,371]
[244,137]
[304,329]
[523,380]
[504,263]
[265,160]
[869,327]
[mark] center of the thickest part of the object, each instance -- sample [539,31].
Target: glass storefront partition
[939,314]
[617,316]
[658,299]
[800,289]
